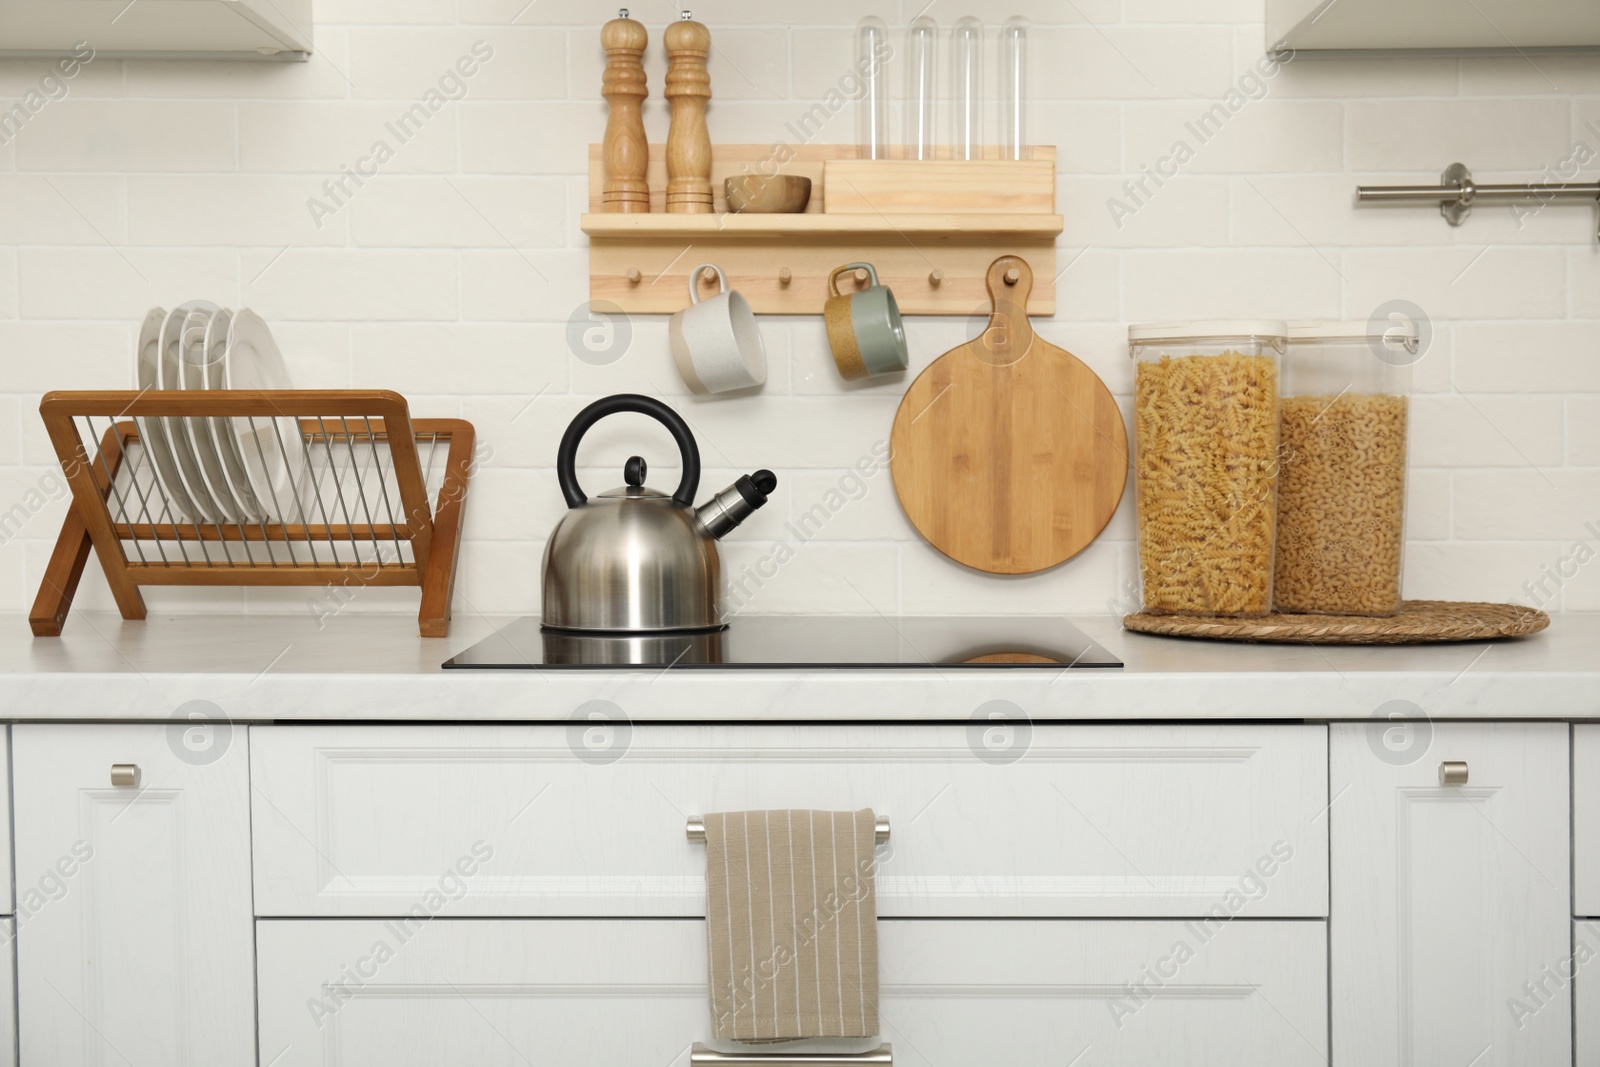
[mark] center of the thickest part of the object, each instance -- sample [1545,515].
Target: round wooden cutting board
[1009,454]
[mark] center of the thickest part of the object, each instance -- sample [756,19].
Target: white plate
[205,509]
[219,432]
[272,450]
[192,374]
[153,433]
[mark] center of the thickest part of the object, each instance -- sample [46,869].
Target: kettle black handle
[566,457]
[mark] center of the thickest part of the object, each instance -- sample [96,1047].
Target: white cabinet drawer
[1449,900]
[619,993]
[1090,821]
[1586,821]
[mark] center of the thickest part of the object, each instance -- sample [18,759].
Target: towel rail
[700,1056]
[697,832]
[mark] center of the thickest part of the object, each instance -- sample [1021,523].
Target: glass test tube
[922,42]
[1014,88]
[872,115]
[966,89]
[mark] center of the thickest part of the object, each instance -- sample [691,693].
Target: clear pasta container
[1205,464]
[1342,478]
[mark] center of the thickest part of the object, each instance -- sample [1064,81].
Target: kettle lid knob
[634,470]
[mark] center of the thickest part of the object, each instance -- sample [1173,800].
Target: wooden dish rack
[358,516]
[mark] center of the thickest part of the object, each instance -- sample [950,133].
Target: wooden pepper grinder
[688,142]
[627,154]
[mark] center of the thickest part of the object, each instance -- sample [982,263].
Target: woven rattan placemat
[1419,622]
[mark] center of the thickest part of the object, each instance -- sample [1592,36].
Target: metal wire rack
[334,488]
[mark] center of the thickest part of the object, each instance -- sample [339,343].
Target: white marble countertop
[258,668]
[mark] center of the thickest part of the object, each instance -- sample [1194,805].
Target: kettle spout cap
[724,512]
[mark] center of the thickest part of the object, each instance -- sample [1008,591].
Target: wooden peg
[1013,276]
[936,278]
[627,154]
[634,276]
[688,141]
[785,276]
[860,275]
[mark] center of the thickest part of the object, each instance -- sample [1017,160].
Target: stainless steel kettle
[634,560]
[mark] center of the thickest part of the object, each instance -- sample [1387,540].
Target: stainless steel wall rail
[1457,192]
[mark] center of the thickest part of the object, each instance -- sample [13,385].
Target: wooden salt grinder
[688,142]
[626,152]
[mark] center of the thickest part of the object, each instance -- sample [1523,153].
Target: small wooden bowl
[779,194]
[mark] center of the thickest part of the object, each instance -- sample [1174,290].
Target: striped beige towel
[791,924]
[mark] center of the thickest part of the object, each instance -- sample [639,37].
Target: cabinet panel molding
[7,902]
[1134,821]
[597,993]
[8,993]
[1586,821]
[1586,949]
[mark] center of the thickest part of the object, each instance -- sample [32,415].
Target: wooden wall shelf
[934,262]
[753,226]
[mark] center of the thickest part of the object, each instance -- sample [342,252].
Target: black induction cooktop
[776,642]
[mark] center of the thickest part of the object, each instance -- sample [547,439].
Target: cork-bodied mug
[715,342]
[864,328]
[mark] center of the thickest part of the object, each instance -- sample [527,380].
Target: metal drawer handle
[700,1056]
[125,775]
[697,832]
[1453,772]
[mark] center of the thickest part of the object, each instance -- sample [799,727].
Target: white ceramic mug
[715,342]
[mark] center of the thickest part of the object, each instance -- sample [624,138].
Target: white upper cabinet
[271,29]
[1411,25]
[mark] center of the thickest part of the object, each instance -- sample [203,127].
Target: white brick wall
[451,275]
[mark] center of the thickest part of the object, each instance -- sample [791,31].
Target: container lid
[1207,328]
[1399,329]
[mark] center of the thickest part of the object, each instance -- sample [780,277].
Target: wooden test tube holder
[688,141]
[627,153]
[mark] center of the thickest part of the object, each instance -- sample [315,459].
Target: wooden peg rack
[934,261]
[357,515]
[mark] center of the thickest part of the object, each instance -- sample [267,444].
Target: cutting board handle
[1009,334]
